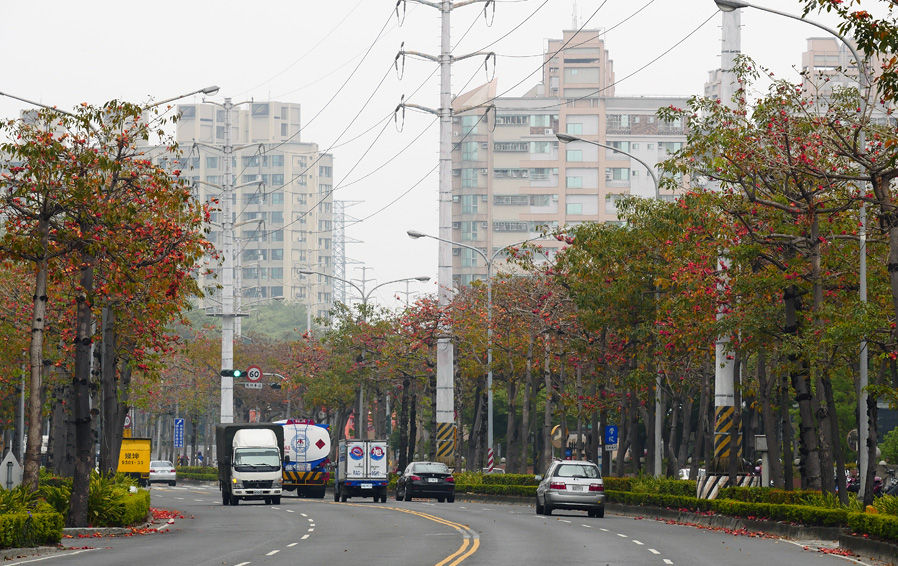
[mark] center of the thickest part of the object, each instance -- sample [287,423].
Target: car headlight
[236,484]
[278,482]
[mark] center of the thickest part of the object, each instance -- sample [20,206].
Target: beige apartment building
[512,178]
[281,205]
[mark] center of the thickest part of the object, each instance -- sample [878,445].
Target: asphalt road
[416,533]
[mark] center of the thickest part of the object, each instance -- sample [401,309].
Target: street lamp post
[565,138]
[365,296]
[864,83]
[414,234]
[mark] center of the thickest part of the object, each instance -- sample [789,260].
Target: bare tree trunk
[512,439]
[403,425]
[547,413]
[525,410]
[702,433]
[765,387]
[81,386]
[788,435]
[30,476]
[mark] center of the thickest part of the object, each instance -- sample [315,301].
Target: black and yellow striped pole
[446,442]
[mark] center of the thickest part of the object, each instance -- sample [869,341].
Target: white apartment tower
[511,176]
[282,207]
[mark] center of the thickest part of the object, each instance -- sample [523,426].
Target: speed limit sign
[254,373]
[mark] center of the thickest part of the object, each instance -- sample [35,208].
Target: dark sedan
[426,480]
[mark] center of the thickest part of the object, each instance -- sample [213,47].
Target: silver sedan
[571,484]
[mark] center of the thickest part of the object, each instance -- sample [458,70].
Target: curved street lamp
[365,296]
[414,234]
[864,83]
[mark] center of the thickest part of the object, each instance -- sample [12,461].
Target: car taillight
[415,478]
[596,487]
[450,479]
[557,485]
[152,470]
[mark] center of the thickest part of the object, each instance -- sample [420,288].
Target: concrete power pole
[227,278]
[727,439]
[445,394]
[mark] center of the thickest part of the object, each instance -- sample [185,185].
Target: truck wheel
[441,499]
[276,500]
[450,499]
[343,497]
[225,498]
[234,501]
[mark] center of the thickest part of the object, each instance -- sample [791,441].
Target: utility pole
[727,439]
[445,390]
[227,279]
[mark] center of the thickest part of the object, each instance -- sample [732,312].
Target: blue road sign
[610,434]
[179,433]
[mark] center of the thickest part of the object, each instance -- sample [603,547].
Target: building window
[277,216]
[276,198]
[574,182]
[611,201]
[277,255]
[574,208]
[469,231]
[277,236]
[468,257]
[260,109]
[620,145]
[469,151]
[575,129]
[469,204]
[541,146]
[211,163]
[617,174]
[251,161]
[635,146]
[469,177]
[469,124]
[325,171]
[574,155]
[276,160]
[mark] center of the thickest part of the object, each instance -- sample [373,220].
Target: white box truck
[249,462]
[362,470]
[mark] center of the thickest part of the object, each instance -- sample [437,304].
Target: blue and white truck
[362,470]
[307,448]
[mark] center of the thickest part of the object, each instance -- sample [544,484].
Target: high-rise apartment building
[281,204]
[511,176]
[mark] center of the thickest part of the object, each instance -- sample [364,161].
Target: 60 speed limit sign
[254,373]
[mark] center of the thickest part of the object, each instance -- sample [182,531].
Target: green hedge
[496,489]
[659,500]
[137,507]
[880,526]
[21,530]
[768,495]
[205,476]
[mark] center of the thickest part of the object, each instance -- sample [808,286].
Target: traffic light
[233,373]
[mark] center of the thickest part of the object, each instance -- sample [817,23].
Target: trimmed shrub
[20,499]
[20,530]
[880,526]
[136,507]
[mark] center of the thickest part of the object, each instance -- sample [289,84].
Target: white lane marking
[587,526]
[311,530]
[197,499]
[667,561]
[563,521]
[272,553]
[52,556]
[601,529]
[292,544]
[637,542]
[653,551]
[290,511]
[179,498]
[275,507]
[310,520]
[303,514]
[243,564]
[620,535]
[304,537]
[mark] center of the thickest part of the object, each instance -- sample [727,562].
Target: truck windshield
[257,458]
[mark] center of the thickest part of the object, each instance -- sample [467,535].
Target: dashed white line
[272,553]
[292,544]
[653,551]
[620,535]
[587,526]
[197,499]
[605,530]
[182,498]
[304,537]
[637,542]
[668,561]
[290,511]
[242,564]
[303,514]
[563,521]
[310,520]
[311,530]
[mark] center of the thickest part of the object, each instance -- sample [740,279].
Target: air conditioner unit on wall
[485,171]
[484,145]
[549,131]
[456,251]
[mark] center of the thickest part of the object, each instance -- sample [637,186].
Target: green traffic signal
[239,373]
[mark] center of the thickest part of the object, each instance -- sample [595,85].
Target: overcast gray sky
[335,58]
